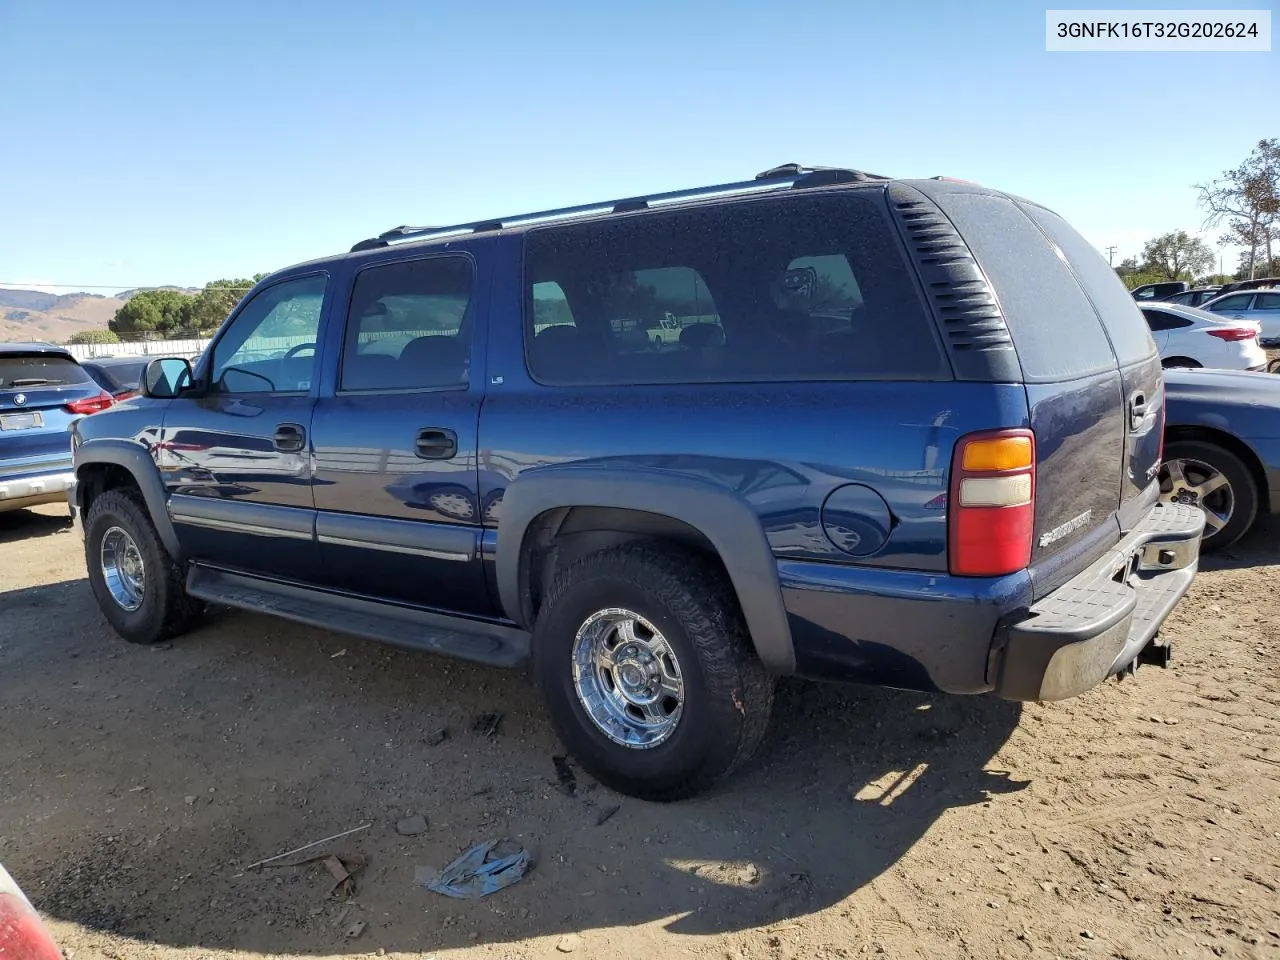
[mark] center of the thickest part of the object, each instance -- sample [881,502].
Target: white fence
[143,348]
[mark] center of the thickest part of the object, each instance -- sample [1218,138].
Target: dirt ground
[136,784]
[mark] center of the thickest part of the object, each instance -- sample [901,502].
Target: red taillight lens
[124,395]
[991,509]
[1234,333]
[91,404]
[22,935]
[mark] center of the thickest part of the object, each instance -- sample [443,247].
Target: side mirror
[166,378]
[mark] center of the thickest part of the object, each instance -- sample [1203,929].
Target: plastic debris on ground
[484,869]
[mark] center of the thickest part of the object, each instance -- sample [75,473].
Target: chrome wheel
[1199,484]
[122,569]
[627,678]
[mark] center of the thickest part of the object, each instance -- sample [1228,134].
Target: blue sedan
[1222,448]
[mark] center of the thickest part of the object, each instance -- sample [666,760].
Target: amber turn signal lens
[997,453]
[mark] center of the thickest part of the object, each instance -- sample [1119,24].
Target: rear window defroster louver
[961,299]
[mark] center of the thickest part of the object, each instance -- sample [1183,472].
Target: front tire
[138,586]
[1209,476]
[648,673]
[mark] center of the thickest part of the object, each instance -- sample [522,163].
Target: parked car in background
[1195,297]
[23,936]
[1187,337]
[1222,448]
[1257,283]
[1159,291]
[1261,306]
[42,392]
[119,376]
[934,467]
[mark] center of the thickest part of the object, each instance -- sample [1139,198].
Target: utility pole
[1111,252]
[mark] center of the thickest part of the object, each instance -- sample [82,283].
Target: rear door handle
[1137,409]
[290,437]
[436,443]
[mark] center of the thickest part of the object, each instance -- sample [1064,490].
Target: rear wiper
[30,382]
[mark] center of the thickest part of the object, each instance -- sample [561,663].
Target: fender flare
[133,457]
[726,520]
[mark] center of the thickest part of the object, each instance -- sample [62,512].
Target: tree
[1127,267]
[1142,277]
[156,312]
[1250,268]
[1247,201]
[93,336]
[1177,256]
[210,306]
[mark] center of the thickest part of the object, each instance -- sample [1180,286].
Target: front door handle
[436,443]
[290,437]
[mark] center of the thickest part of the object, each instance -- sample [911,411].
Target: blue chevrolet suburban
[908,435]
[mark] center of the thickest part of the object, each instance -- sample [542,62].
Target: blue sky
[151,143]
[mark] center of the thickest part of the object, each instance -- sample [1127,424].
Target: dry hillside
[31,315]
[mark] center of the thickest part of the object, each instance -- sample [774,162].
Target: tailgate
[1142,376]
[1075,390]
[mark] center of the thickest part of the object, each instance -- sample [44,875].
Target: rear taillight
[90,404]
[22,935]
[1234,333]
[991,509]
[124,395]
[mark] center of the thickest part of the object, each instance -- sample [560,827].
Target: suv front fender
[132,457]
[726,520]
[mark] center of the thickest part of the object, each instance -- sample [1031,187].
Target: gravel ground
[136,784]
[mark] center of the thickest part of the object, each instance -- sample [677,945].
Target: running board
[483,642]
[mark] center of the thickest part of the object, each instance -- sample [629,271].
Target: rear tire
[683,607]
[146,600]
[1241,492]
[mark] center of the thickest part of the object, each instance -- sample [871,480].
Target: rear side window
[1160,320]
[802,288]
[406,326]
[31,371]
[1052,323]
[1130,338]
[1238,301]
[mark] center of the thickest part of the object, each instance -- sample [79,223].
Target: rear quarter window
[34,370]
[772,289]
[1130,337]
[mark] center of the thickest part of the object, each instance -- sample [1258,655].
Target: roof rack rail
[789,175]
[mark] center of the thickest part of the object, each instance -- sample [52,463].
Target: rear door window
[806,288]
[1238,301]
[406,328]
[32,371]
[1267,301]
